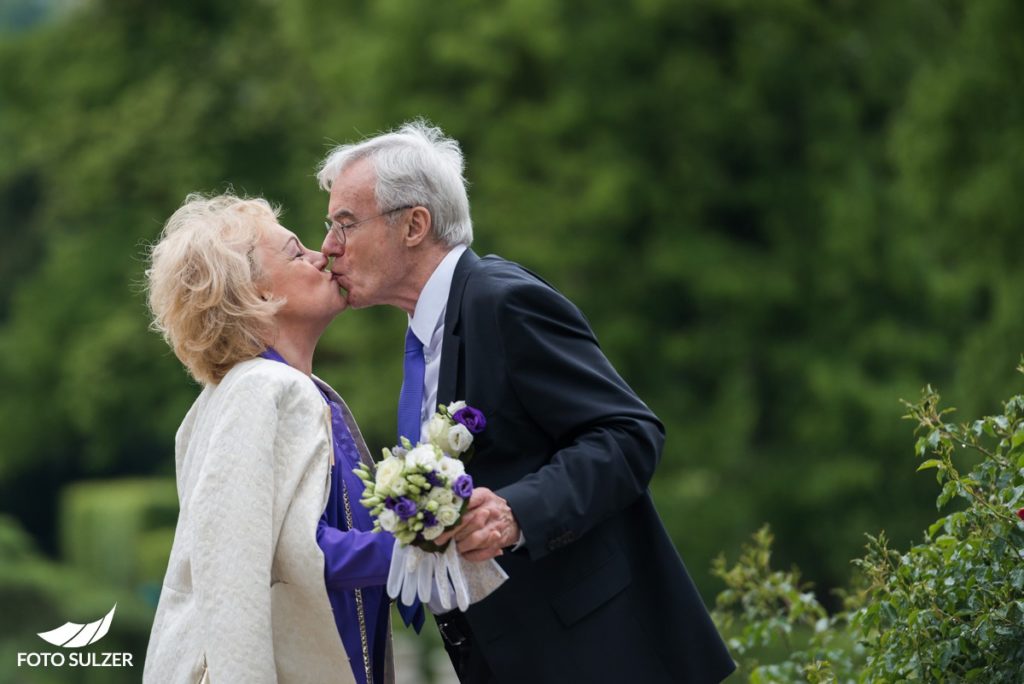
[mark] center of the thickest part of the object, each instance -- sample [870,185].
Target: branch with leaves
[949,609]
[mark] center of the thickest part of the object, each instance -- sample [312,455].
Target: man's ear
[417,229]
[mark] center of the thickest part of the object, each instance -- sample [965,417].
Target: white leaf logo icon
[74,635]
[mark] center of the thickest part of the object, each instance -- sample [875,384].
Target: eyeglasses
[340,231]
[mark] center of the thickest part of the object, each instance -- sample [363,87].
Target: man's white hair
[416,165]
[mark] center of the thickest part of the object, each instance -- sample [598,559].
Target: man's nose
[332,247]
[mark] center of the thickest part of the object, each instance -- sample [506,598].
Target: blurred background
[780,218]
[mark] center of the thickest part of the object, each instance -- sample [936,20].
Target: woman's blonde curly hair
[203,282]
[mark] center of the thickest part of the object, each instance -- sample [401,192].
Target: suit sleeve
[232,507]
[609,441]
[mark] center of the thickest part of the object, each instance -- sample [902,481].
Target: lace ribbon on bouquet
[442,580]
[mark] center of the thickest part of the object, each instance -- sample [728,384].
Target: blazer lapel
[350,421]
[451,346]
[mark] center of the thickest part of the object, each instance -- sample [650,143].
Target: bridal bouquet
[417,493]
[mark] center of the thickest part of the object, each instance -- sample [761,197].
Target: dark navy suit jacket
[598,593]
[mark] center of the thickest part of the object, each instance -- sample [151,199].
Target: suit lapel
[451,347]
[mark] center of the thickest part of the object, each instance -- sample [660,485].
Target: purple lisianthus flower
[429,519]
[405,508]
[433,479]
[389,503]
[463,486]
[472,418]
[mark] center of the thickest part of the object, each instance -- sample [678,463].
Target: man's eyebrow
[338,213]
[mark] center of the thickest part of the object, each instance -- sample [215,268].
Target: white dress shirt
[427,323]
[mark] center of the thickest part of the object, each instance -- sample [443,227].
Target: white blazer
[244,598]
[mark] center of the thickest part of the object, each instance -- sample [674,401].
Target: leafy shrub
[949,609]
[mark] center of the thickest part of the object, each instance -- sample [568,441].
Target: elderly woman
[272,558]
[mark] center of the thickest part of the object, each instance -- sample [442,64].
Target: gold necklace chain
[360,611]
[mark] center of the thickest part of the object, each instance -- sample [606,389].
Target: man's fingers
[471,522]
[480,496]
[466,527]
[470,540]
[485,539]
[485,524]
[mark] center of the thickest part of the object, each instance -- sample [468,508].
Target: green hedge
[120,530]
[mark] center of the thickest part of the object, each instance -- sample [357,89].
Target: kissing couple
[276,571]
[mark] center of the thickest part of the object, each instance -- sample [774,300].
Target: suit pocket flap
[592,591]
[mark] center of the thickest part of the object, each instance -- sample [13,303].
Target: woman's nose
[317,259]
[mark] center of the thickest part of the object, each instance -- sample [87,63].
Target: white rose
[399,487]
[456,406]
[450,468]
[423,456]
[436,429]
[460,438]
[441,495]
[433,532]
[388,520]
[388,471]
[447,515]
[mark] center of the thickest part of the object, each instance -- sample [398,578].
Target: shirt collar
[430,307]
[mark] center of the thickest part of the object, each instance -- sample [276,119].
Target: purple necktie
[410,401]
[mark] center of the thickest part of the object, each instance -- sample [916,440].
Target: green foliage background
[780,217]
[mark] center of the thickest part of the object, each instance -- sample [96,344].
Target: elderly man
[596,590]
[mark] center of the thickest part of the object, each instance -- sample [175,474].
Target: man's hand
[487,527]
